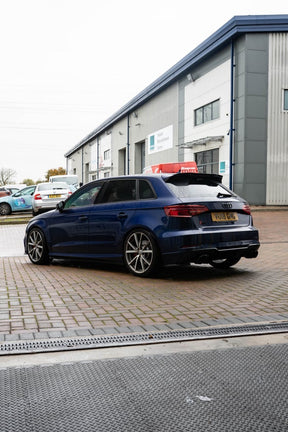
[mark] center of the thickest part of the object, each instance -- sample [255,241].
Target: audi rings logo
[227,206]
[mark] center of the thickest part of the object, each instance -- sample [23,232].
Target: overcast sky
[68,65]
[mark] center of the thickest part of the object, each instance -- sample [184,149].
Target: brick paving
[68,299]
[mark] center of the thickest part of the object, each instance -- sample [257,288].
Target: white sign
[160,140]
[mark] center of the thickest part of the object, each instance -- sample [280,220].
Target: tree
[6,176]
[28,182]
[55,171]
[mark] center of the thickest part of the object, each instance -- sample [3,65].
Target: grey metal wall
[250,121]
[277,163]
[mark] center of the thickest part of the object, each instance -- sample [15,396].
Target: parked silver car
[48,195]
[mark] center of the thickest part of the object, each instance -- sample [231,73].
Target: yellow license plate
[54,196]
[224,217]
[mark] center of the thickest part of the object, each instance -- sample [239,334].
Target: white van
[70,179]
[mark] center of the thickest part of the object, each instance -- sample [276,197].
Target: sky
[68,65]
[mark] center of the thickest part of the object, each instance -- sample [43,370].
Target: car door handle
[83,218]
[122,215]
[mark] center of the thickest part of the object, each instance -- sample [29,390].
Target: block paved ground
[66,299]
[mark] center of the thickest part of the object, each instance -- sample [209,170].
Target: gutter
[231,130]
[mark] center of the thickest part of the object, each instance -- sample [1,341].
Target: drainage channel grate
[62,344]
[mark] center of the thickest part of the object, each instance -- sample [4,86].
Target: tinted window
[120,190]
[84,197]
[199,191]
[145,190]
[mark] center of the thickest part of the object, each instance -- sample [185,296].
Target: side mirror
[60,206]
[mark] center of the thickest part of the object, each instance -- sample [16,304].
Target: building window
[107,155]
[208,161]
[207,112]
[286,100]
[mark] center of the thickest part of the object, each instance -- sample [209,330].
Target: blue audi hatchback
[146,221]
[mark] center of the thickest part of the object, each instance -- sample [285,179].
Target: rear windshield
[52,186]
[200,191]
[69,180]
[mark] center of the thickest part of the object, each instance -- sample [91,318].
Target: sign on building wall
[223,167]
[160,140]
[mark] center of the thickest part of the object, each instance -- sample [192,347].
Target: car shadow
[174,273]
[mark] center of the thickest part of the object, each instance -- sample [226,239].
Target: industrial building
[224,106]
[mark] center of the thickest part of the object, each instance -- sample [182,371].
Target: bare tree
[6,176]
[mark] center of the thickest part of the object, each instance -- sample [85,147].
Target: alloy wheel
[37,249]
[140,253]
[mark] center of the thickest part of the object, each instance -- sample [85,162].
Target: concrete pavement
[66,299]
[215,384]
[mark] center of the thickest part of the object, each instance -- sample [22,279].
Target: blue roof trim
[236,26]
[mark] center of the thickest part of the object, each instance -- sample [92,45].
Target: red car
[7,191]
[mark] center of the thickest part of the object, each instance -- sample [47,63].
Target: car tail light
[246,209]
[185,210]
[69,193]
[37,197]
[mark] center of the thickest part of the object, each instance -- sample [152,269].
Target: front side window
[84,197]
[207,112]
[26,191]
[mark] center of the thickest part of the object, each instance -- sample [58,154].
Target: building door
[122,162]
[139,157]
[87,173]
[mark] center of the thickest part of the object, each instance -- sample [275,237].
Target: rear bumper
[43,208]
[204,247]
[205,255]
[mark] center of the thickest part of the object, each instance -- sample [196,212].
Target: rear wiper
[223,195]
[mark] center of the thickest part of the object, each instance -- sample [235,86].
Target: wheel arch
[141,227]
[42,226]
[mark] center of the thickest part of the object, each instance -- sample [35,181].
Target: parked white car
[48,195]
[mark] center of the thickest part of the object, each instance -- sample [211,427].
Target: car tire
[5,209]
[225,262]
[37,247]
[141,255]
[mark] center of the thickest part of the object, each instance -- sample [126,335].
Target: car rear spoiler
[193,178]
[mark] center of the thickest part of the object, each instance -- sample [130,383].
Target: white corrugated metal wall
[277,142]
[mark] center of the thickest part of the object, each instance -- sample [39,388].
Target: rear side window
[145,190]
[120,190]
